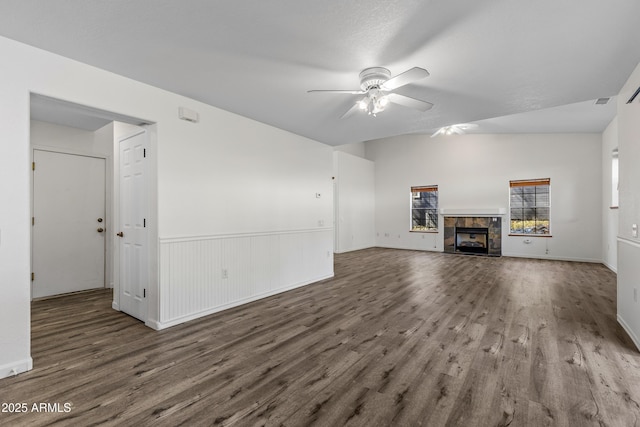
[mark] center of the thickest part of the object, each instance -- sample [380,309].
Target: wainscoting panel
[629,287]
[205,274]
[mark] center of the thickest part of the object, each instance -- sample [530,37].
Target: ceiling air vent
[602,101]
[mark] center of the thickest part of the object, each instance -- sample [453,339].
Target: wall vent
[602,101]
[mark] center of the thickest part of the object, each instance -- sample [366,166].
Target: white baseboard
[153,324]
[115,306]
[173,322]
[410,249]
[629,332]
[15,368]
[344,251]
[610,267]
[552,258]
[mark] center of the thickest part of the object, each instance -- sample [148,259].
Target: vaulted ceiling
[491,59]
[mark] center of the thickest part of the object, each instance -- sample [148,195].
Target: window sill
[530,235]
[424,231]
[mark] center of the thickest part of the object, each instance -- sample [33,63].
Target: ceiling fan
[458,129]
[377,86]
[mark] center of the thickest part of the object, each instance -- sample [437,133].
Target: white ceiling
[487,59]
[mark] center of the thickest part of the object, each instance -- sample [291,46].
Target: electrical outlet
[225,273]
[634,230]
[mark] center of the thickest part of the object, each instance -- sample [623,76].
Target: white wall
[354,202]
[609,215]
[629,211]
[223,177]
[355,149]
[72,140]
[473,172]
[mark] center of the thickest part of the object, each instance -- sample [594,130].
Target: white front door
[133,240]
[68,223]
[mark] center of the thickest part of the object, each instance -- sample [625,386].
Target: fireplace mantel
[474,212]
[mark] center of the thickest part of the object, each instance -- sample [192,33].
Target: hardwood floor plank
[396,338]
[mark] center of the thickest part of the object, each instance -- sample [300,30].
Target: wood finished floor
[397,338]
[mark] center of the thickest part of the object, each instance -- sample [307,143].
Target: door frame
[108,250]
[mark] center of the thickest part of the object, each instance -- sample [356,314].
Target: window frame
[435,215]
[538,182]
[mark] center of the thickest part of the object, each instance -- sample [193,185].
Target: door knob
[121,234]
[100,230]
[99,219]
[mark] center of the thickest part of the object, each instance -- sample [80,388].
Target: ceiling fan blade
[352,92]
[458,129]
[440,131]
[351,110]
[407,101]
[409,76]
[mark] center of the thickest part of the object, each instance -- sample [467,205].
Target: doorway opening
[76,201]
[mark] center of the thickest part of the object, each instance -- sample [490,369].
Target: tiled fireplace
[479,235]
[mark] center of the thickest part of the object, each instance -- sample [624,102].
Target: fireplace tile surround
[492,223]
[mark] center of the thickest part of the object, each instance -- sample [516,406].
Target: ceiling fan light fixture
[458,129]
[374,102]
[377,86]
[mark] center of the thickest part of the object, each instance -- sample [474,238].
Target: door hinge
[144,222]
[33,276]
[33,220]
[144,293]
[144,152]
[33,166]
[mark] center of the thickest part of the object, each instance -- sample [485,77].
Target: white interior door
[68,251]
[133,240]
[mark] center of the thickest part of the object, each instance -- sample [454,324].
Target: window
[424,208]
[529,206]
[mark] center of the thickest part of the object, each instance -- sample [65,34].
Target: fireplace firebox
[485,229]
[473,240]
